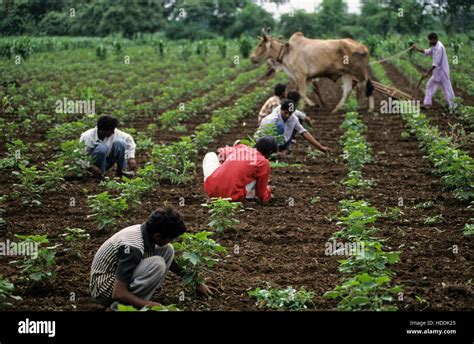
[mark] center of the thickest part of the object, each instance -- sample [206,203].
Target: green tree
[374,17]
[455,15]
[55,24]
[330,17]
[250,21]
[298,21]
[126,17]
[197,19]
[408,16]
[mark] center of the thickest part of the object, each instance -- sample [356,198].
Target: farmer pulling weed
[240,172]
[134,262]
[288,125]
[109,146]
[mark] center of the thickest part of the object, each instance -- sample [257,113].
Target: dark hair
[279,89]
[288,105]
[294,96]
[165,221]
[107,123]
[267,145]
[433,35]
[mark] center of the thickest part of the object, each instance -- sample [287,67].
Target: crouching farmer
[133,263]
[240,172]
[272,102]
[283,123]
[109,146]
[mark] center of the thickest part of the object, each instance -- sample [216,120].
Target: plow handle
[415,92]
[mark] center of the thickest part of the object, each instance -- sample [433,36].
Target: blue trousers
[117,155]
[280,129]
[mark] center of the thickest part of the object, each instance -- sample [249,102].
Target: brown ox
[304,59]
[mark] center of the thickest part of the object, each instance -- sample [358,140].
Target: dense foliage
[208,18]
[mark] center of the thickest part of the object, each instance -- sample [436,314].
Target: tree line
[199,19]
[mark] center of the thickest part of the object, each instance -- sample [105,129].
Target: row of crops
[454,166]
[368,281]
[24,47]
[155,84]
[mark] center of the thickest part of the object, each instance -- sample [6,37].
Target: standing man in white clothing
[109,146]
[439,71]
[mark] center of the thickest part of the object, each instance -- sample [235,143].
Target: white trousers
[211,163]
[432,86]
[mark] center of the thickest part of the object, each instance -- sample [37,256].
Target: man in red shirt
[240,172]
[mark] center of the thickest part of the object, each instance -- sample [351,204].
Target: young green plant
[75,239]
[40,264]
[223,212]
[287,298]
[197,254]
[7,290]
[107,209]
[29,188]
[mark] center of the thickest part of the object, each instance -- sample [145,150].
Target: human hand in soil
[326,150]
[206,290]
[132,164]
[152,303]
[95,170]
[281,155]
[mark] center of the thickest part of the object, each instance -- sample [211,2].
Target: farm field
[282,243]
[187,168]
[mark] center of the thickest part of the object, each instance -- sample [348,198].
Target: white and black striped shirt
[118,257]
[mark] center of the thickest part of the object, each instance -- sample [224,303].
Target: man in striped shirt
[133,263]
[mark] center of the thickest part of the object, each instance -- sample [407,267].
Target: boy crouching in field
[109,146]
[132,264]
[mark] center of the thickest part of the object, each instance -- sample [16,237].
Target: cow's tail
[369,88]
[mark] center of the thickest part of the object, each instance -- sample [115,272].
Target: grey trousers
[151,272]
[147,276]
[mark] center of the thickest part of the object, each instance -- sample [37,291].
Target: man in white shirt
[302,117]
[109,146]
[439,72]
[287,125]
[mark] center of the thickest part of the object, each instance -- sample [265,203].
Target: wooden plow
[392,91]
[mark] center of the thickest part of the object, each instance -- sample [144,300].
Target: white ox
[304,59]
